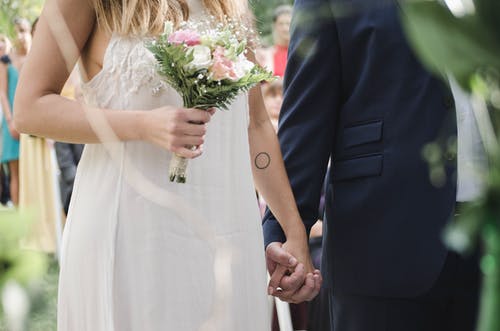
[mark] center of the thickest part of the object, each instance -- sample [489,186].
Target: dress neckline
[91,82]
[196,9]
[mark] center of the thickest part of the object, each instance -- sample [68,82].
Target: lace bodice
[128,70]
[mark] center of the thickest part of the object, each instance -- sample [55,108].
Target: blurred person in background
[10,137]
[4,187]
[22,43]
[38,189]
[273,98]
[4,183]
[274,58]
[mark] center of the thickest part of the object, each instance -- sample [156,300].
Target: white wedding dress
[143,254]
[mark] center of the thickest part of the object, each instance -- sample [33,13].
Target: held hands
[293,279]
[177,129]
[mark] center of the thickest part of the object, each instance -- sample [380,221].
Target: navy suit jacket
[356,93]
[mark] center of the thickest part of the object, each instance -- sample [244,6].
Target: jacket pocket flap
[362,134]
[363,166]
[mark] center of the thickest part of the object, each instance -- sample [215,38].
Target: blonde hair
[8,44]
[147,17]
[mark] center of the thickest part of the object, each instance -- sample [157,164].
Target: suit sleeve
[309,111]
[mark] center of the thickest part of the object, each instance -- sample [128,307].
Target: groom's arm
[309,111]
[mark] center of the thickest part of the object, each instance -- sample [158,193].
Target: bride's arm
[269,171]
[272,183]
[41,111]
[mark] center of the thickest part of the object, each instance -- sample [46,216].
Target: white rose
[202,57]
[243,66]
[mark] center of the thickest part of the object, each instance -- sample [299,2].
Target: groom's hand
[289,280]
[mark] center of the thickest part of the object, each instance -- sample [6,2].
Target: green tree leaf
[446,43]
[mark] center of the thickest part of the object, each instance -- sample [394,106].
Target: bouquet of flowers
[206,63]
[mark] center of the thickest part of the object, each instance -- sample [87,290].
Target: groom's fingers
[290,284]
[275,252]
[318,280]
[307,292]
[299,295]
[294,281]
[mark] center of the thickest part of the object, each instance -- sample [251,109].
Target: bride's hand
[177,129]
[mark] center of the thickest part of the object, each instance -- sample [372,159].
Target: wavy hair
[147,17]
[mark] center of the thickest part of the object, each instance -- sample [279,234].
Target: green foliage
[457,45]
[11,9]
[488,11]
[24,267]
[20,265]
[43,297]
[480,220]
[490,298]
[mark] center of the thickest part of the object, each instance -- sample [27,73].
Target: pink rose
[188,37]
[222,67]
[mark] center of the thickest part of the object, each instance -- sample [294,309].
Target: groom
[356,94]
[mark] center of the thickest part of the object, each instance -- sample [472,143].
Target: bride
[140,252]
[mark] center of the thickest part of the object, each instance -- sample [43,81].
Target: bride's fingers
[188,152]
[196,116]
[276,277]
[212,111]
[190,141]
[192,129]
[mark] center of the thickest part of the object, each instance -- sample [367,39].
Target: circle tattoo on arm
[262,160]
